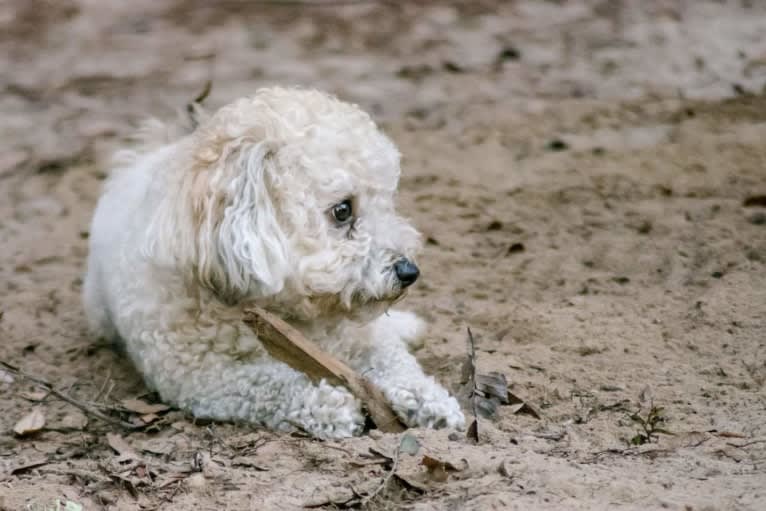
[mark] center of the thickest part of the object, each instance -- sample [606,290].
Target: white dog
[284,199]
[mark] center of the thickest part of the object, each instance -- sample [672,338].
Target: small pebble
[757,218]
[557,145]
[196,481]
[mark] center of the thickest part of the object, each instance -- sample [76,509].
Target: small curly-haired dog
[286,200]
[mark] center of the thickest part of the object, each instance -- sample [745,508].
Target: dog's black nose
[406,272]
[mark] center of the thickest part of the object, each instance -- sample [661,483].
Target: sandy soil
[581,170]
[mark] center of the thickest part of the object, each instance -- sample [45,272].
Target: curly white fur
[191,230]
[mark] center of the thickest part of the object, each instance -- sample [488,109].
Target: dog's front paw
[327,412]
[433,408]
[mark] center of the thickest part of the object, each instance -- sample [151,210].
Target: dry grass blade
[88,410]
[287,344]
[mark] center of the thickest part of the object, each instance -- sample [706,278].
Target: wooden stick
[290,346]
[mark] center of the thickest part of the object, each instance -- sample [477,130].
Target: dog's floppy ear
[242,247]
[222,227]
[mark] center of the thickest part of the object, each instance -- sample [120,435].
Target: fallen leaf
[487,408]
[409,484]
[473,431]
[513,399]
[149,418]
[525,408]
[160,446]
[376,452]
[30,423]
[37,395]
[142,407]
[409,444]
[493,385]
[120,446]
[438,469]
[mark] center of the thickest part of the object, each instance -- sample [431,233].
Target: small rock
[74,420]
[508,53]
[757,218]
[196,480]
[375,434]
[452,67]
[31,423]
[557,145]
[106,497]
[751,254]
[495,225]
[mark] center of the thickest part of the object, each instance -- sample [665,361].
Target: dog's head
[291,201]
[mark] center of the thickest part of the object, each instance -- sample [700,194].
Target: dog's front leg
[264,391]
[417,398]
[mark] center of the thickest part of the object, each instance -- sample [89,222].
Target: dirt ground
[591,180]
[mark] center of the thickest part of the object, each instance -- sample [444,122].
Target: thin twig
[740,446]
[384,483]
[64,397]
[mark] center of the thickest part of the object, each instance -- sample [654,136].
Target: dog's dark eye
[343,212]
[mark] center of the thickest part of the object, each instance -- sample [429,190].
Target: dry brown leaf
[149,418]
[159,446]
[526,409]
[437,469]
[142,407]
[120,446]
[492,385]
[31,423]
[473,431]
[37,395]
